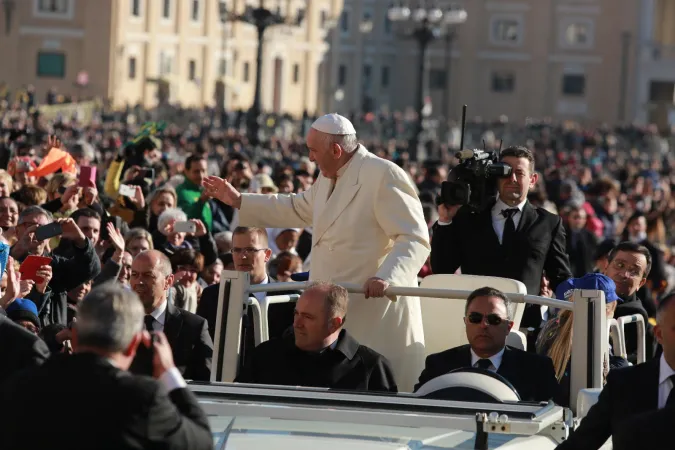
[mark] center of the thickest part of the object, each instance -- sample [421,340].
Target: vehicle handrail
[639,322]
[618,338]
[415,292]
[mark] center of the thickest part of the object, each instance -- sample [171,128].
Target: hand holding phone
[185,227]
[127,190]
[31,265]
[48,231]
[87,176]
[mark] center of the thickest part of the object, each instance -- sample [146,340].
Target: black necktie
[484,364]
[671,397]
[509,227]
[149,320]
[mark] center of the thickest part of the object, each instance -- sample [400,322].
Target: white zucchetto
[334,124]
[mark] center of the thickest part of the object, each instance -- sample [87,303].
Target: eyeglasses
[492,319]
[247,250]
[634,272]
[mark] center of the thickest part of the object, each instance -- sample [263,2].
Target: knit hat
[23,309]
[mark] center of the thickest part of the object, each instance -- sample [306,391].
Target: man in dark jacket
[67,272]
[19,348]
[488,323]
[629,265]
[101,405]
[319,353]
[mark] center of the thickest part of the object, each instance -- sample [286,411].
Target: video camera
[473,182]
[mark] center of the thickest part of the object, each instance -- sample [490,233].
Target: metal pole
[449,38]
[623,82]
[422,40]
[252,126]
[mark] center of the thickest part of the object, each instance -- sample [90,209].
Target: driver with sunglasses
[487,316]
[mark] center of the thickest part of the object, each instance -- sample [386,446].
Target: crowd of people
[113,212]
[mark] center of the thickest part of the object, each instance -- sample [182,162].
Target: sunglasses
[492,319]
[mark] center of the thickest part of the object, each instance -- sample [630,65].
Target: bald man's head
[151,278]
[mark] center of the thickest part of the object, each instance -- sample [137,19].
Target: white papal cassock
[371,225]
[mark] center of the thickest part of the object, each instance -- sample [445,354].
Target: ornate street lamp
[262,18]
[424,22]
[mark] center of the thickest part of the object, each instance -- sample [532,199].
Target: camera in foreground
[473,182]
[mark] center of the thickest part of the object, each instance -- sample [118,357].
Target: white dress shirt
[159,314]
[261,295]
[495,359]
[498,219]
[665,383]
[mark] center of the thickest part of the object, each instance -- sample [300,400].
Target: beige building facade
[655,91]
[124,46]
[564,59]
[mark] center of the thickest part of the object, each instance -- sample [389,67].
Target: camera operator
[509,239]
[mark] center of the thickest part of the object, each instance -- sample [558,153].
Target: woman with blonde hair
[138,240]
[555,338]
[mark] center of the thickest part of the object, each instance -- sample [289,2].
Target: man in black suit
[251,253]
[101,405]
[19,348]
[319,352]
[511,239]
[488,323]
[632,391]
[188,334]
[652,430]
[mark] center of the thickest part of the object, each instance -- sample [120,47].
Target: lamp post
[424,24]
[261,18]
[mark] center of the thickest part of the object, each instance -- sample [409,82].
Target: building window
[344,22]
[503,82]
[342,75]
[366,25]
[387,24]
[136,8]
[384,79]
[194,13]
[574,85]
[192,70]
[506,30]
[165,64]
[437,79]
[166,9]
[246,72]
[300,16]
[324,18]
[222,67]
[132,68]
[576,32]
[54,6]
[52,65]
[296,73]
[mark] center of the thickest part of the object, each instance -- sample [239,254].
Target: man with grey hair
[319,352]
[188,334]
[64,273]
[368,228]
[101,405]
[487,317]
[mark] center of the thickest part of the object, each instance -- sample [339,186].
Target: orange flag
[56,159]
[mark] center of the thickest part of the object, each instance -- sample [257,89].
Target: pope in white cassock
[368,229]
